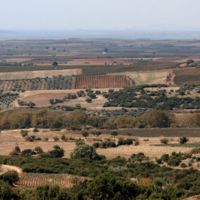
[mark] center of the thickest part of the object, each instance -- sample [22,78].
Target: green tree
[51,193]
[85,151]
[106,186]
[157,119]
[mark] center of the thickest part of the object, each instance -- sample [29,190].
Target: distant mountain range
[84,34]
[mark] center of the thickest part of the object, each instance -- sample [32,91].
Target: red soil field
[102,81]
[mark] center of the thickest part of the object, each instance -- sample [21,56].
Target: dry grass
[9,139]
[149,77]
[41,74]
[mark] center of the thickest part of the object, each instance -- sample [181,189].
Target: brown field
[9,139]
[98,81]
[187,76]
[36,74]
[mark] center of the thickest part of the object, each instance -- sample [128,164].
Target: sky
[100,15]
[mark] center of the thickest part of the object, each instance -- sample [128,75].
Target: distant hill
[123,34]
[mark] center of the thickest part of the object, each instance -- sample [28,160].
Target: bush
[63,138]
[85,134]
[183,140]
[51,193]
[27,152]
[157,119]
[164,141]
[106,186]
[24,133]
[16,151]
[140,157]
[125,141]
[30,138]
[10,177]
[35,130]
[96,133]
[57,152]
[114,133]
[56,138]
[6,193]
[85,152]
[38,150]
[88,100]
[106,144]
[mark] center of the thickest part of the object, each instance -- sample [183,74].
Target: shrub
[164,141]
[106,186]
[88,100]
[157,118]
[51,193]
[183,140]
[97,133]
[105,144]
[38,150]
[24,133]
[114,133]
[56,138]
[35,130]
[128,141]
[27,152]
[10,177]
[57,152]
[85,134]
[138,157]
[30,138]
[16,151]
[85,152]
[183,165]
[63,138]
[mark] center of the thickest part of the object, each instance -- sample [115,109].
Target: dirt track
[7,168]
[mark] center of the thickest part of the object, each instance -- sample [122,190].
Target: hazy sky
[99,14]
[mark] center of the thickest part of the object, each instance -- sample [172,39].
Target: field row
[98,81]
[6,99]
[66,82]
[62,180]
[56,82]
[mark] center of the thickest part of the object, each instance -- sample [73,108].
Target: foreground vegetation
[135,178]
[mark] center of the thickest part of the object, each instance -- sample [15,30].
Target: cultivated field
[62,180]
[98,81]
[48,83]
